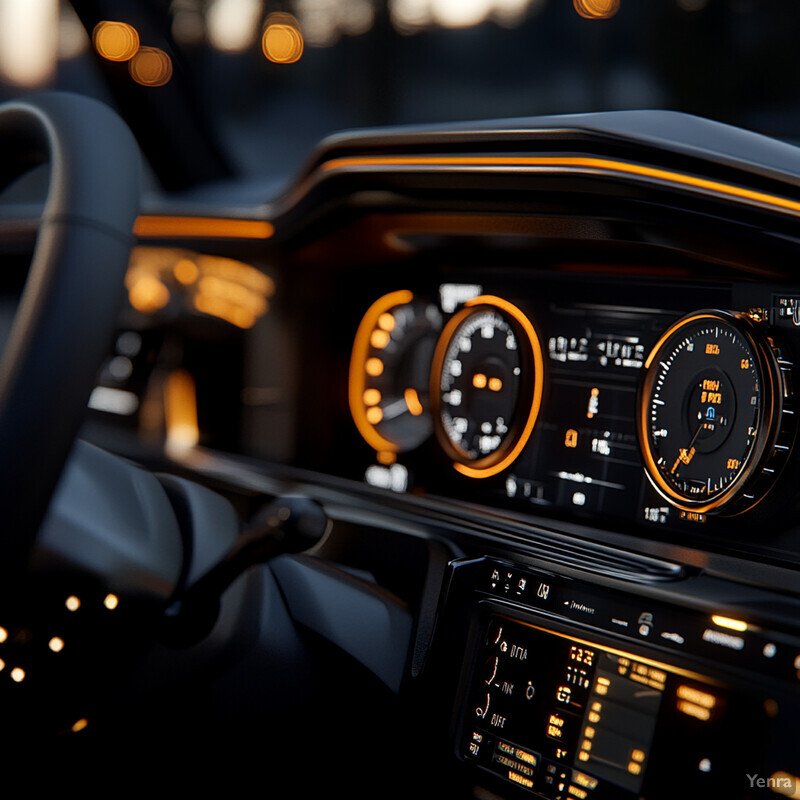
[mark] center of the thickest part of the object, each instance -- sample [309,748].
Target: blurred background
[261,81]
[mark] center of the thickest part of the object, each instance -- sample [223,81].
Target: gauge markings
[704,408]
[486,385]
[389,371]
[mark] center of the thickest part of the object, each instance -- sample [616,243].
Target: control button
[530,691]
[526,757]
[495,579]
[543,591]
[556,779]
[769,650]
[586,781]
[564,694]
[475,743]
[724,639]
[704,765]
[645,623]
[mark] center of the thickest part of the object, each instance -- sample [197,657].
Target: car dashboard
[540,376]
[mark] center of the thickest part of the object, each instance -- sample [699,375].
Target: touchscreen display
[564,717]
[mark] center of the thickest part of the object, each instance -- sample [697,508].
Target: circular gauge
[486,385]
[389,371]
[709,411]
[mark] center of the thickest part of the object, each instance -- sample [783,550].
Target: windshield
[270,79]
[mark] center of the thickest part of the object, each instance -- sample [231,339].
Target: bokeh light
[151,66]
[282,42]
[115,41]
[28,42]
[596,9]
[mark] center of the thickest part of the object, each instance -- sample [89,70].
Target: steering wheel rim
[66,316]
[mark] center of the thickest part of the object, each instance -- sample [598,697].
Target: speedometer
[486,385]
[709,412]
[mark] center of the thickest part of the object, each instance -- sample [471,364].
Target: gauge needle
[395,409]
[408,403]
[685,456]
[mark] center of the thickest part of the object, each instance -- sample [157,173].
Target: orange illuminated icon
[379,339]
[282,42]
[387,322]
[151,66]
[372,397]
[479,380]
[729,622]
[692,710]
[495,384]
[373,367]
[696,696]
[596,9]
[571,438]
[115,41]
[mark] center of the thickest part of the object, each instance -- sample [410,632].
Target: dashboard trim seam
[603,166]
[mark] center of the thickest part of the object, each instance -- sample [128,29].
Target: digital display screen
[566,718]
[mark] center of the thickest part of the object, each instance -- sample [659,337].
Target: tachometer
[486,385]
[389,371]
[709,412]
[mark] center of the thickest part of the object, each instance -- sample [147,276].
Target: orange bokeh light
[115,41]
[282,42]
[596,9]
[151,66]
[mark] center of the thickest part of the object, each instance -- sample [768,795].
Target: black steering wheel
[66,316]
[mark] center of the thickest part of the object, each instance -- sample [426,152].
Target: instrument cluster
[587,401]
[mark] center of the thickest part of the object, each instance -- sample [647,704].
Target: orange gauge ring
[673,396]
[532,365]
[362,365]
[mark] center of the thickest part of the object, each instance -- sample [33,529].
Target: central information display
[562,717]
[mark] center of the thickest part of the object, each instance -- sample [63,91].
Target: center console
[573,688]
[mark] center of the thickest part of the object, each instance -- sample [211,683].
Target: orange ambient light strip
[358,368]
[157,227]
[573,163]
